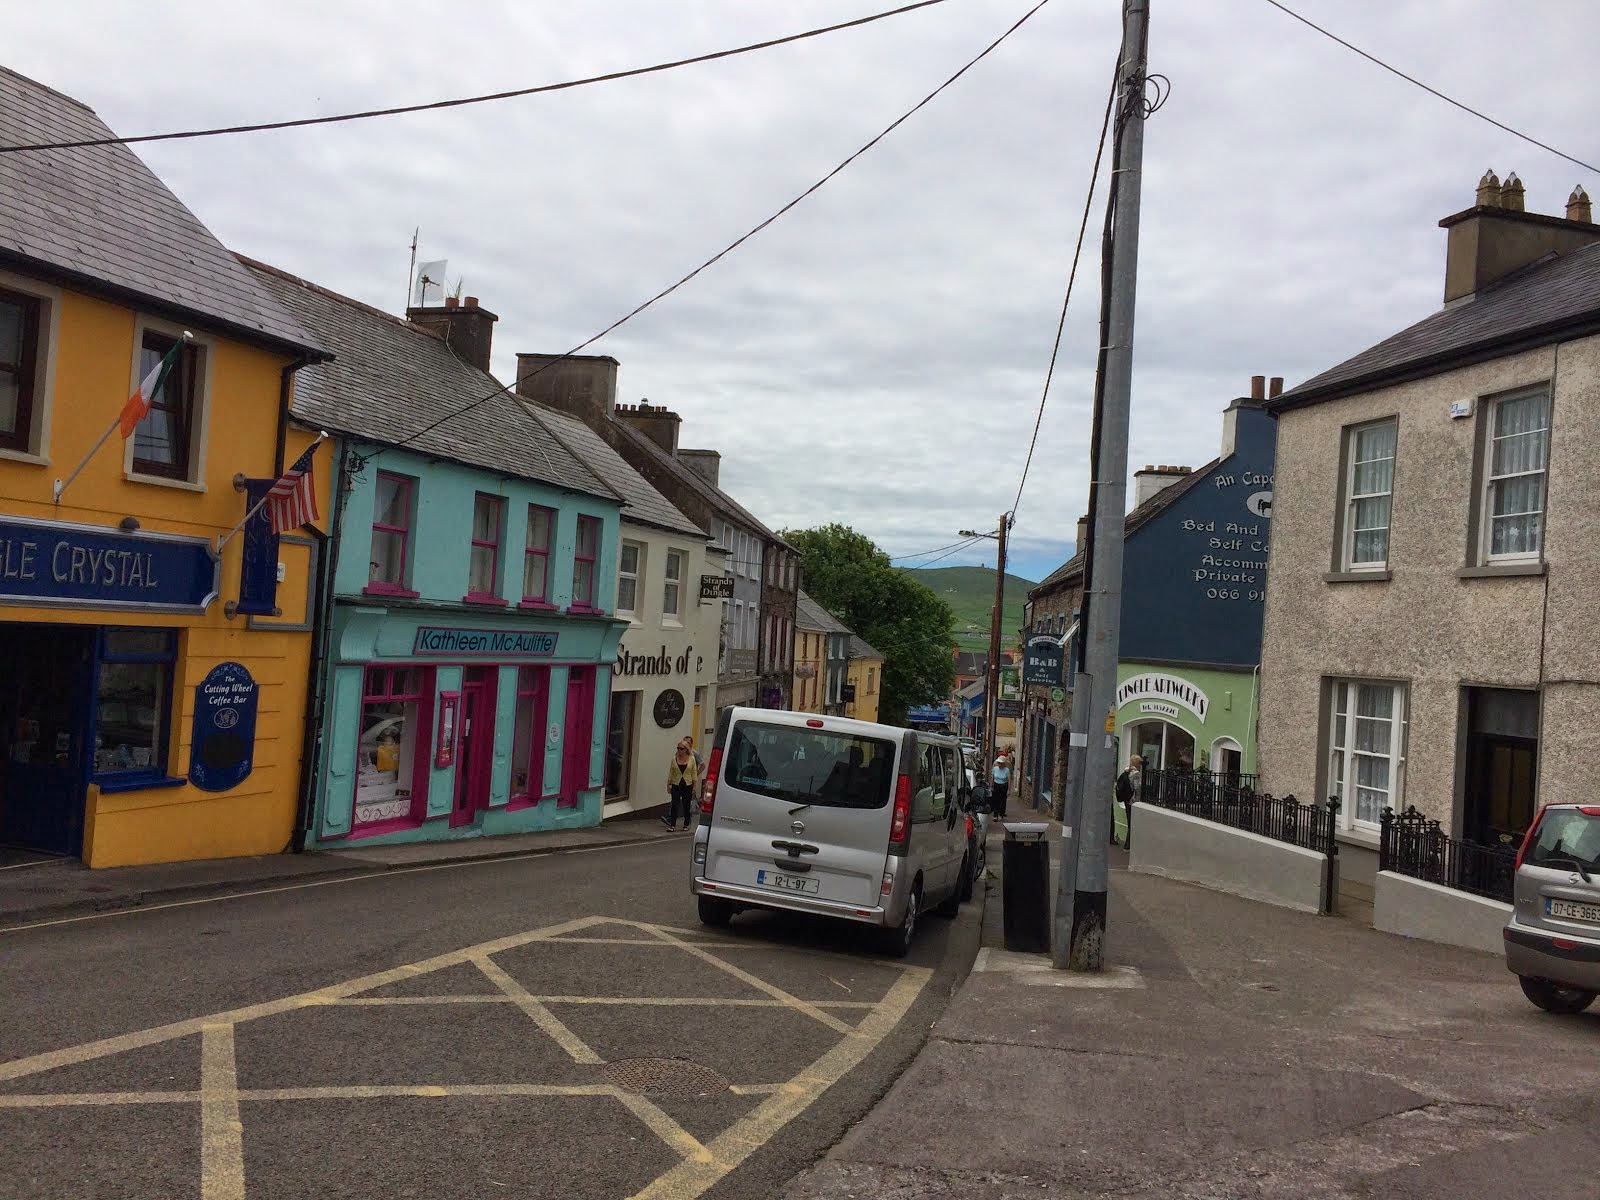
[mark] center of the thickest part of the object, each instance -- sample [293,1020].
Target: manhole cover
[664,1077]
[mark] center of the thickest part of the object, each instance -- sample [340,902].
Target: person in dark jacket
[1127,792]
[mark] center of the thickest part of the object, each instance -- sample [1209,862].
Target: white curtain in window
[1517,475]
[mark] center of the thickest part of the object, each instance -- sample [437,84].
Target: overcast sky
[875,357]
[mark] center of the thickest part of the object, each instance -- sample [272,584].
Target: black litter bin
[1026,875]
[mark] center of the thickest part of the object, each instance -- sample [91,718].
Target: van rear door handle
[795,849]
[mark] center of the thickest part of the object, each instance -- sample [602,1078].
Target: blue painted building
[467,622]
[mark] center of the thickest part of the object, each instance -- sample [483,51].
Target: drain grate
[664,1077]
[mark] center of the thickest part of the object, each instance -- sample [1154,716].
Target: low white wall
[1433,913]
[1179,846]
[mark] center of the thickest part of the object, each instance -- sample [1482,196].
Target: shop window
[163,439]
[391,534]
[392,756]
[483,566]
[1366,734]
[672,589]
[133,703]
[620,738]
[1516,453]
[19,351]
[536,555]
[583,562]
[630,566]
[528,742]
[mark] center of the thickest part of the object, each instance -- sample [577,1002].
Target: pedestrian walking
[683,773]
[999,784]
[1128,786]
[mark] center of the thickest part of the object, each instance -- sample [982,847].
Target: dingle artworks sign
[224,728]
[1167,690]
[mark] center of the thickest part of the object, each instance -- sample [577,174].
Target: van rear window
[810,766]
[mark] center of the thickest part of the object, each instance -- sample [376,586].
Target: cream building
[863,681]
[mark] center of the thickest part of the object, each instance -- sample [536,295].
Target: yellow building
[810,667]
[864,681]
[144,716]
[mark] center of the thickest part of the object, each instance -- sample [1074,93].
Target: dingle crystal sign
[1170,689]
[62,564]
[224,728]
[503,643]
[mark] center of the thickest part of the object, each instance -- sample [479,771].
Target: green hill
[969,591]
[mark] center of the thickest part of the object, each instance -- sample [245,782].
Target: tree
[914,630]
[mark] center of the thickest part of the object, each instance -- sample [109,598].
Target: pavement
[1232,1050]
[35,886]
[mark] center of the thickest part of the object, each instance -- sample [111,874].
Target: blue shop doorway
[46,702]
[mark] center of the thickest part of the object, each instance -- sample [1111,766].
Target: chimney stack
[1496,236]
[582,385]
[1083,533]
[657,423]
[1275,387]
[705,463]
[1258,387]
[465,328]
[1153,480]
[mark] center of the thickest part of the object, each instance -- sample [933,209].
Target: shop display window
[392,754]
[133,703]
[528,742]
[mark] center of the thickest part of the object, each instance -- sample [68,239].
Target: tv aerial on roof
[429,282]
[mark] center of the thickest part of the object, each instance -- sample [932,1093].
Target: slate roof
[972,662]
[1552,299]
[811,615]
[713,495]
[99,218]
[859,648]
[392,378]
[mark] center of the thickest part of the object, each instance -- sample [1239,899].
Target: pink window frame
[499,504]
[422,760]
[586,603]
[384,588]
[542,600]
[535,682]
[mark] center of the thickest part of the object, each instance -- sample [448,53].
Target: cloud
[876,356]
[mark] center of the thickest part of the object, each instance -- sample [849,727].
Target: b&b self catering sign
[1163,694]
[66,565]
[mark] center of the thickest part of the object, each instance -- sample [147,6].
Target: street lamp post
[991,699]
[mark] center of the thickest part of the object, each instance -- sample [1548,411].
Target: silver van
[830,816]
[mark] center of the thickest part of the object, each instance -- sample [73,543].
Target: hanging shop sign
[224,731]
[716,587]
[1042,660]
[501,643]
[669,708]
[1007,708]
[65,565]
[1155,685]
[847,693]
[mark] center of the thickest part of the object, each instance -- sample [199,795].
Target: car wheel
[717,913]
[1554,997]
[897,941]
[969,877]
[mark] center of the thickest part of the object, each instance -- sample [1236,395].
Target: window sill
[585,610]
[670,623]
[1382,576]
[389,590]
[538,606]
[484,599]
[111,784]
[1501,570]
[24,456]
[1367,839]
[183,485]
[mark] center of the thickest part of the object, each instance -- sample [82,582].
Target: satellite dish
[429,282]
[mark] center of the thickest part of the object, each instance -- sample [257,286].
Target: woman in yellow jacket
[683,774]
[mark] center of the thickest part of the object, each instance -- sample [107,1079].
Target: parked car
[1553,938]
[978,816]
[830,816]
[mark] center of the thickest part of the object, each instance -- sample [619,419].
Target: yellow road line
[730,1148]
[643,1001]
[669,1131]
[577,1049]
[771,989]
[97,1099]
[657,942]
[427,1091]
[221,1131]
[754,1089]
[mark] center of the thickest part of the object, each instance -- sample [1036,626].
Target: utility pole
[1087,910]
[991,707]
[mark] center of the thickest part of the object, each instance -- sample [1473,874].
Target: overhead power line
[1412,79]
[737,242]
[1072,275]
[368,114]
[924,553]
[951,550]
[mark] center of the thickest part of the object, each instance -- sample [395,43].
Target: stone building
[1436,550]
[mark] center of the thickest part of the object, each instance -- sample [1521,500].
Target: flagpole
[322,436]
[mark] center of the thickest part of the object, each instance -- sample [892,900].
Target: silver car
[830,816]
[1553,939]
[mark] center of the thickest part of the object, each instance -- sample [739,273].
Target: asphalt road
[467,1031]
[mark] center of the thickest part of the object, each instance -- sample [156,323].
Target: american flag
[292,500]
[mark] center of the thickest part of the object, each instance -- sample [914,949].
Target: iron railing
[1232,800]
[1412,844]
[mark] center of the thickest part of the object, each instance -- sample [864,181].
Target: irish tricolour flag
[139,403]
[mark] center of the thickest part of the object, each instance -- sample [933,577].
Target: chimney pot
[451,302]
[1512,193]
[1488,190]
[470,302]
[1275,386]
[1258,387]
[1578,208]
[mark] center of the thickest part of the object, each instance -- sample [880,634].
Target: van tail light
[969,827]
[900,823]
[1589,810]
[708,792]
[1527,840]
